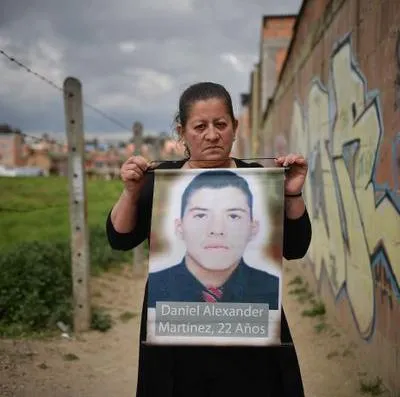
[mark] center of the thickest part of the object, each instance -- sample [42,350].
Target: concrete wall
[338,103]
[242,145]
[254,108]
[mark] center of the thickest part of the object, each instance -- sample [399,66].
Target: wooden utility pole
[80,257]
[138,253]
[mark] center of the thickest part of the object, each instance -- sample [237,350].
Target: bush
[101,320]
[102,257]
[36,285]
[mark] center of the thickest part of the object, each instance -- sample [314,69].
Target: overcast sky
[133,57]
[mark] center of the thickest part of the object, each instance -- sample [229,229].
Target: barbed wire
[56,86]
[29,70]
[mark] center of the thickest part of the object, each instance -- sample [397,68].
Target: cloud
[150,83]
[234,61]
[127,46]
[133,58]
[26,90]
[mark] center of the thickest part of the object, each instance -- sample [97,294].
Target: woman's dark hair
[200,92]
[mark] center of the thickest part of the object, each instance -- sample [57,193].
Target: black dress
[191,371]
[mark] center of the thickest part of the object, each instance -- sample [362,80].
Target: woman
[207,126]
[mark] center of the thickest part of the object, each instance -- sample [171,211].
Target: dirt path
[105,364]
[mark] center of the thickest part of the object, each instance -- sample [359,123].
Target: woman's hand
[132,174]
[296,174]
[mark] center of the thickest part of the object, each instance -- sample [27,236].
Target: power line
[54,85]
[110,118]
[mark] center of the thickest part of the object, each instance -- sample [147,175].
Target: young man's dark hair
[216,179]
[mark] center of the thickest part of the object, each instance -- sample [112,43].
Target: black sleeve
[296,236]
[127,241]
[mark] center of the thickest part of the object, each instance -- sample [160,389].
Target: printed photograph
[216,239]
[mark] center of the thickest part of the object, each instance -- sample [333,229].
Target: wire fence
[39,287]
[63,91]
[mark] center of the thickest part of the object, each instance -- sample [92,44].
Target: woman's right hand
[132,174]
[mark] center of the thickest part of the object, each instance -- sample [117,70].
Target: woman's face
[209,131]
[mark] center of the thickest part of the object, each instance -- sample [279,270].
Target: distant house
[59,163]
[11,143]
[104,165]
[39,159]
[172,150]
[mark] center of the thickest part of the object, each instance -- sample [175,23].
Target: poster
[215,260]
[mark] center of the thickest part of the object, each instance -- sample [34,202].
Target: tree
[5,128]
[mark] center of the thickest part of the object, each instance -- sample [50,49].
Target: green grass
[35,282]
[37,209]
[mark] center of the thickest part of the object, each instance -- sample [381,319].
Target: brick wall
[276,33]
[338,102]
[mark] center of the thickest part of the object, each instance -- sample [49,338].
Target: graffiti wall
[356,223]
[356,220]
[343,99]
[397,84]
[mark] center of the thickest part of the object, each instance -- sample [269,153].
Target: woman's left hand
[296,174]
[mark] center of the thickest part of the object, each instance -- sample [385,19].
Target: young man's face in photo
[216,227]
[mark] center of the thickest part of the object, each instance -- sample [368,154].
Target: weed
[298,291]
[101,320]
[347,353]
[320,327]
[70,357]
[332,354]
[303,294]
[126,316]
[317,310]
[296,281]
[306,297]
[373,388]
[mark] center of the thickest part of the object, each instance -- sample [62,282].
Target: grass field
[36,209]
[35,257]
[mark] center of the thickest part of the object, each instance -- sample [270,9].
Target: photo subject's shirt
[245,285]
